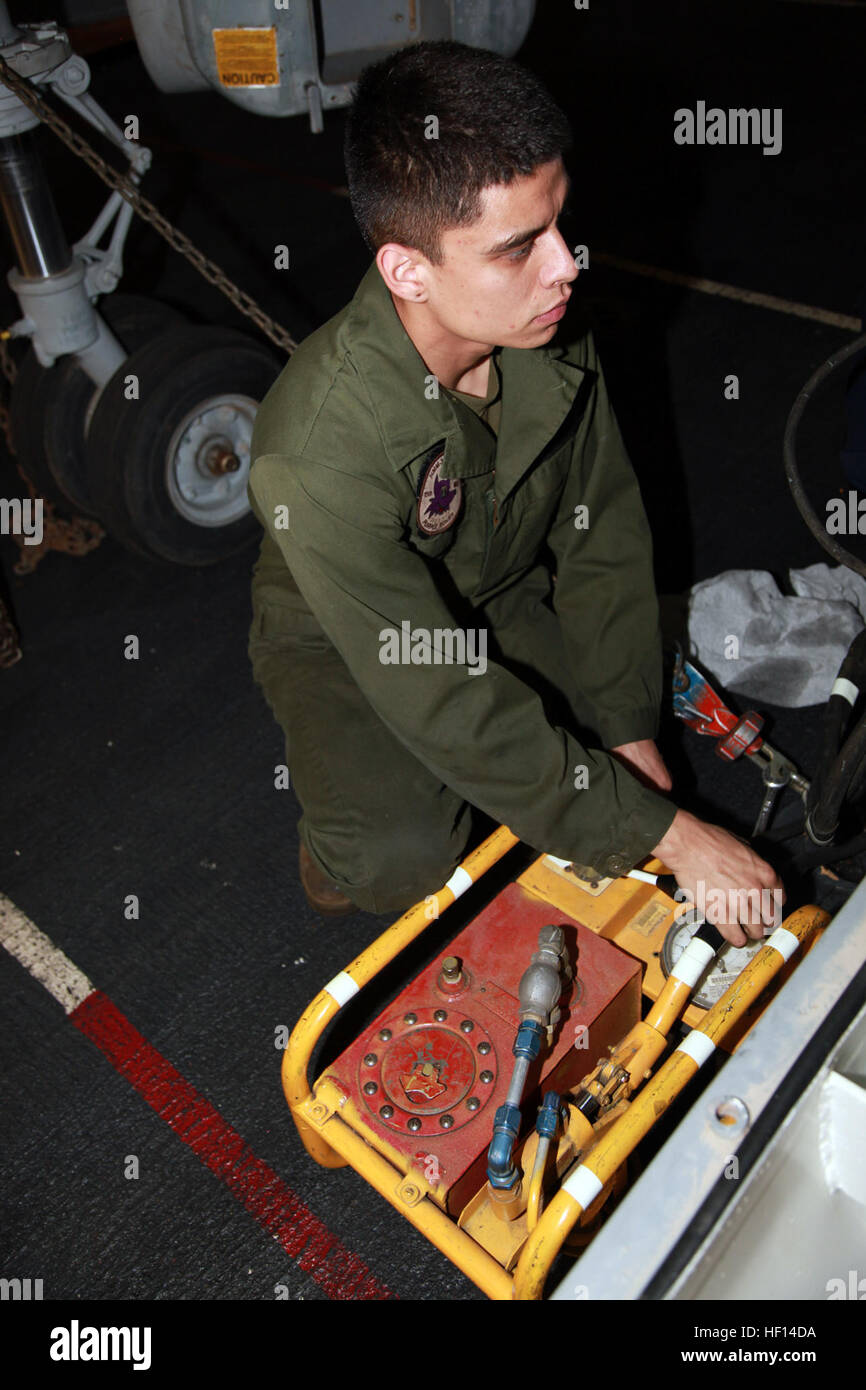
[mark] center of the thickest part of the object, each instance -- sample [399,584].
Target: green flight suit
[388,757]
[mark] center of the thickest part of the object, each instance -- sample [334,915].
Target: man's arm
[605,595]
[605,598]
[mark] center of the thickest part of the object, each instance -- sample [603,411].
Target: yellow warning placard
[247,57]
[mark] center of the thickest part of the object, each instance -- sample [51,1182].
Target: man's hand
[712,866]
[645,761]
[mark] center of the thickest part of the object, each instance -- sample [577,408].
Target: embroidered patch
[439,499]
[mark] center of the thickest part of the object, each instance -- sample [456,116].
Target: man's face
[504,280]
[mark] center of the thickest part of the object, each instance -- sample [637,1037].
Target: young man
[454,602]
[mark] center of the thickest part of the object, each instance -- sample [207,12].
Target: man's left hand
[646,762]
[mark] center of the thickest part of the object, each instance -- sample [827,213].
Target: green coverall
[535,536]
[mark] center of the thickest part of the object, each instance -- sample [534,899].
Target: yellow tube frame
[406,1193]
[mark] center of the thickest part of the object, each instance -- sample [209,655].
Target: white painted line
[583,1185]
[693,962]
[44,961]
[342,988]
[847,689]
[783,941]
[760,301]
[697,1046]
[459,881]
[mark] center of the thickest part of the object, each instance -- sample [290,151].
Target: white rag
[783,650]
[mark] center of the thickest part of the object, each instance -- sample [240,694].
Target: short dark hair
[496,123]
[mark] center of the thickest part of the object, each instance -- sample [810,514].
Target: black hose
[821,822]
[836,717]
[818,529]
[830,854]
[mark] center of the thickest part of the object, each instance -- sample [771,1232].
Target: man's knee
[392,870]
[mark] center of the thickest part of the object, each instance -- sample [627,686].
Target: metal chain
[10,646]
[31,98]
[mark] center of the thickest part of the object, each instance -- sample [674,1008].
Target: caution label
[247,57]
[649,918]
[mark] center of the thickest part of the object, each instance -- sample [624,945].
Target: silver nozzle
[542,982]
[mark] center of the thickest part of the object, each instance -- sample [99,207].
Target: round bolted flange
[424,1063]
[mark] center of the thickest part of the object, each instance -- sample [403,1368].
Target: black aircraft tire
[33,395]
[50,404]
[145,456]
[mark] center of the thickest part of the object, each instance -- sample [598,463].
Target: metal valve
[543,981]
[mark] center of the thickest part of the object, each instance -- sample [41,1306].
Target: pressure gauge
[721,971]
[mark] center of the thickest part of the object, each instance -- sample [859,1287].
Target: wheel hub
[208,461]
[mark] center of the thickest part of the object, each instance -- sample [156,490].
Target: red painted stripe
[221,1149]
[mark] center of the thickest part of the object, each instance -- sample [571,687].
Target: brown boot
[322,894]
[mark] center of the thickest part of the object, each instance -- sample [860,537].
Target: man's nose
[559,265]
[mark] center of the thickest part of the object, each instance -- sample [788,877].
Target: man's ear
[404,271]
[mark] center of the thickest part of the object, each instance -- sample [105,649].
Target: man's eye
[521,254]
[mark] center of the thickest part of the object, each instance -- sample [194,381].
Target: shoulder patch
[439,498]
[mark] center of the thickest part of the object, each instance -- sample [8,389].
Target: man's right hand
[739,889]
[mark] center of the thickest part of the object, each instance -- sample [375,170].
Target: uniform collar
[539,386]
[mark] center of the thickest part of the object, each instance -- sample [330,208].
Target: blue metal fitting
[548,1116]
[528,1041]
[500,1165]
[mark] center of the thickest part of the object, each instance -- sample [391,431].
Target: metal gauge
[720,972]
